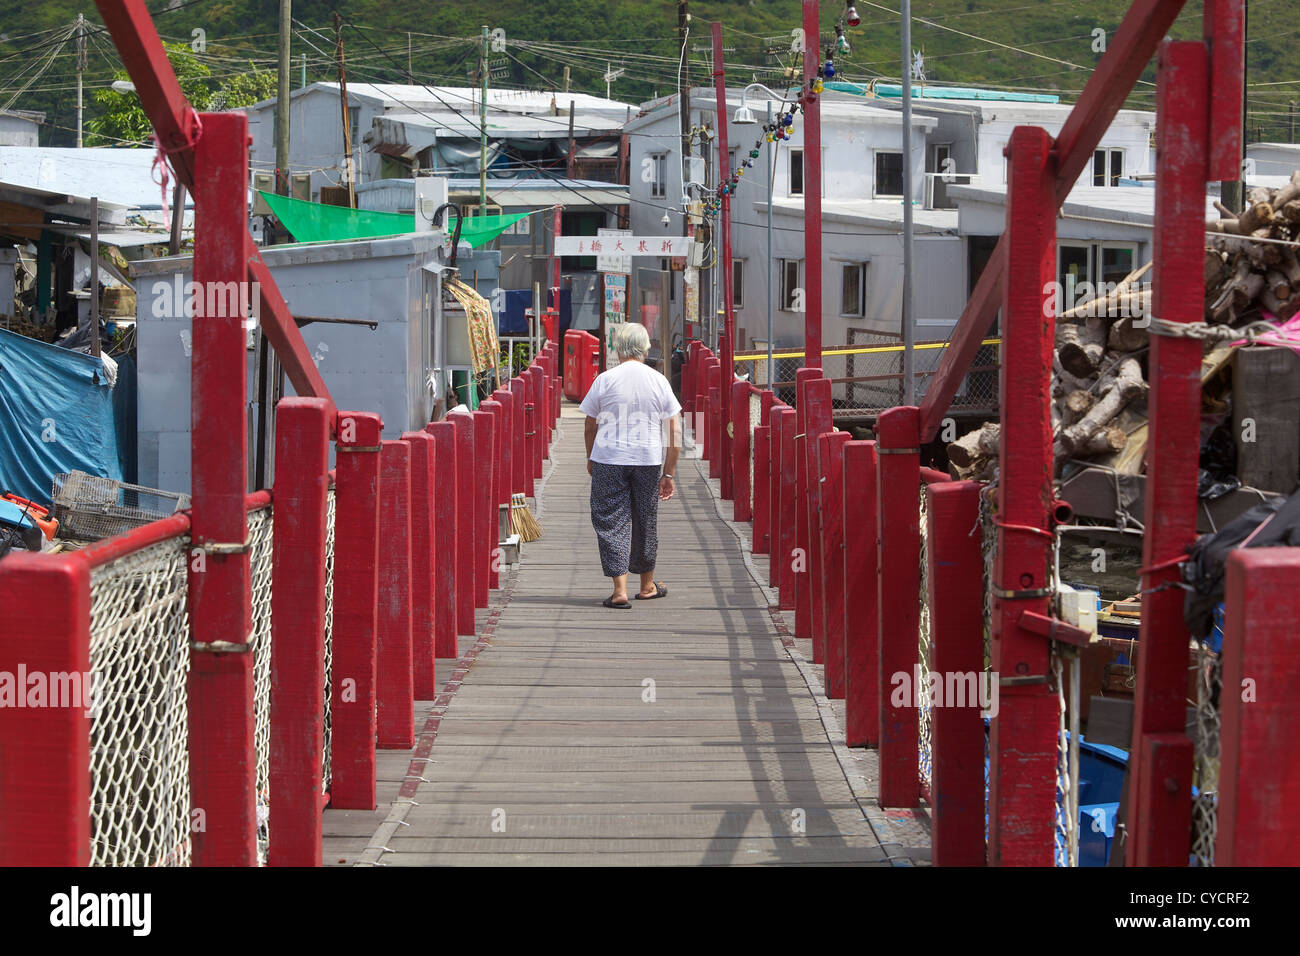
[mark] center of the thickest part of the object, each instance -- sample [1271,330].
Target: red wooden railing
[851,574]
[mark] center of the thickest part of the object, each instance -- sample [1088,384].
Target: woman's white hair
[631,340]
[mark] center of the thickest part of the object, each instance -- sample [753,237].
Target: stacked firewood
[1248,268]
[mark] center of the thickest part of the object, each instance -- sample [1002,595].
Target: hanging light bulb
[830,70]
[818,86]
[753,154]
[851,16]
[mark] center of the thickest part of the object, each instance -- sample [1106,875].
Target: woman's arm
[667,484]
[589,429]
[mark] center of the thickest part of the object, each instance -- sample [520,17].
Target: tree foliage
[120,120]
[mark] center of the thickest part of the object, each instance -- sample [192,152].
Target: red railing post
[496,467]
[773,494]
[742,505]
[537,382]
[715,428]
[557,384]
[899,488]
[544,390]
[830,514]
[1159,808]
[522,464]
[301,491]
[505,433]
[484,519]
[464,546]
[1023,737]
[783,532]
[1259,785]
[223,771]
[45,751]
[447,522]
[356,598]
[861,617]
[762,511]
[688,380]
[394,694]
[815,407]
[423,550]
[955,584]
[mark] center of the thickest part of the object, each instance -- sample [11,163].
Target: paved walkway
[684,731]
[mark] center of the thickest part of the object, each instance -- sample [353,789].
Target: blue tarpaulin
[56,415]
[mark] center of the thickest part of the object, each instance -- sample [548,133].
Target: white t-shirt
[631,404]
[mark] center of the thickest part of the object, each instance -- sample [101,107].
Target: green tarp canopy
[317,222]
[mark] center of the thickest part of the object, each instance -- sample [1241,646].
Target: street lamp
[744,115]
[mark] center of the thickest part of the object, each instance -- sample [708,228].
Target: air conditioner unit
[262,182]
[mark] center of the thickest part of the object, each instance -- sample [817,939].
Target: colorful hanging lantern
[830,69]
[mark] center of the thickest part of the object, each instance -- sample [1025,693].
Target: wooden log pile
[1249,269]
[1099,385]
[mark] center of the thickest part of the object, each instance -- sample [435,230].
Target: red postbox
[581,363]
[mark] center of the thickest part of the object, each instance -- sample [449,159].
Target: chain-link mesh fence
[139,727]
[329,632]
[260,533]
[139,723]
[924,768]
[867,373]
[1205,805]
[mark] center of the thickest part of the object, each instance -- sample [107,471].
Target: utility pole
[482,122]
[909,379]
[81,67]
[94,277]
[282,101]
[347,120]
[684,114]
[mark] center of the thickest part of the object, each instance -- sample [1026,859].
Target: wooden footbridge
[689,730]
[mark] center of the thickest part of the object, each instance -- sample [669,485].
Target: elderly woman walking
[633,434]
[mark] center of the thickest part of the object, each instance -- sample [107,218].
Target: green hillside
[1040,45]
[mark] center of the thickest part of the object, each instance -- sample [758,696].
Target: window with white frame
[658,175]
[889,174]
[791,295]
[1107,167]
[796,172]
[853,289]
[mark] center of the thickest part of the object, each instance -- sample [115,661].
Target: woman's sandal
[661,590]
[611,603]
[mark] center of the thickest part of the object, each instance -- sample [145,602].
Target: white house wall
[380,370]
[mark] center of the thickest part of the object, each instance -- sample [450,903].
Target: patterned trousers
[625,514]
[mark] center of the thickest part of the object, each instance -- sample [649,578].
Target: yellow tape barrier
[866,350]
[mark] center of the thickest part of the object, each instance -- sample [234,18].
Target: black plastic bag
[1204,570]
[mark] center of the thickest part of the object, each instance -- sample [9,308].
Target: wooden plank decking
[683,731]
